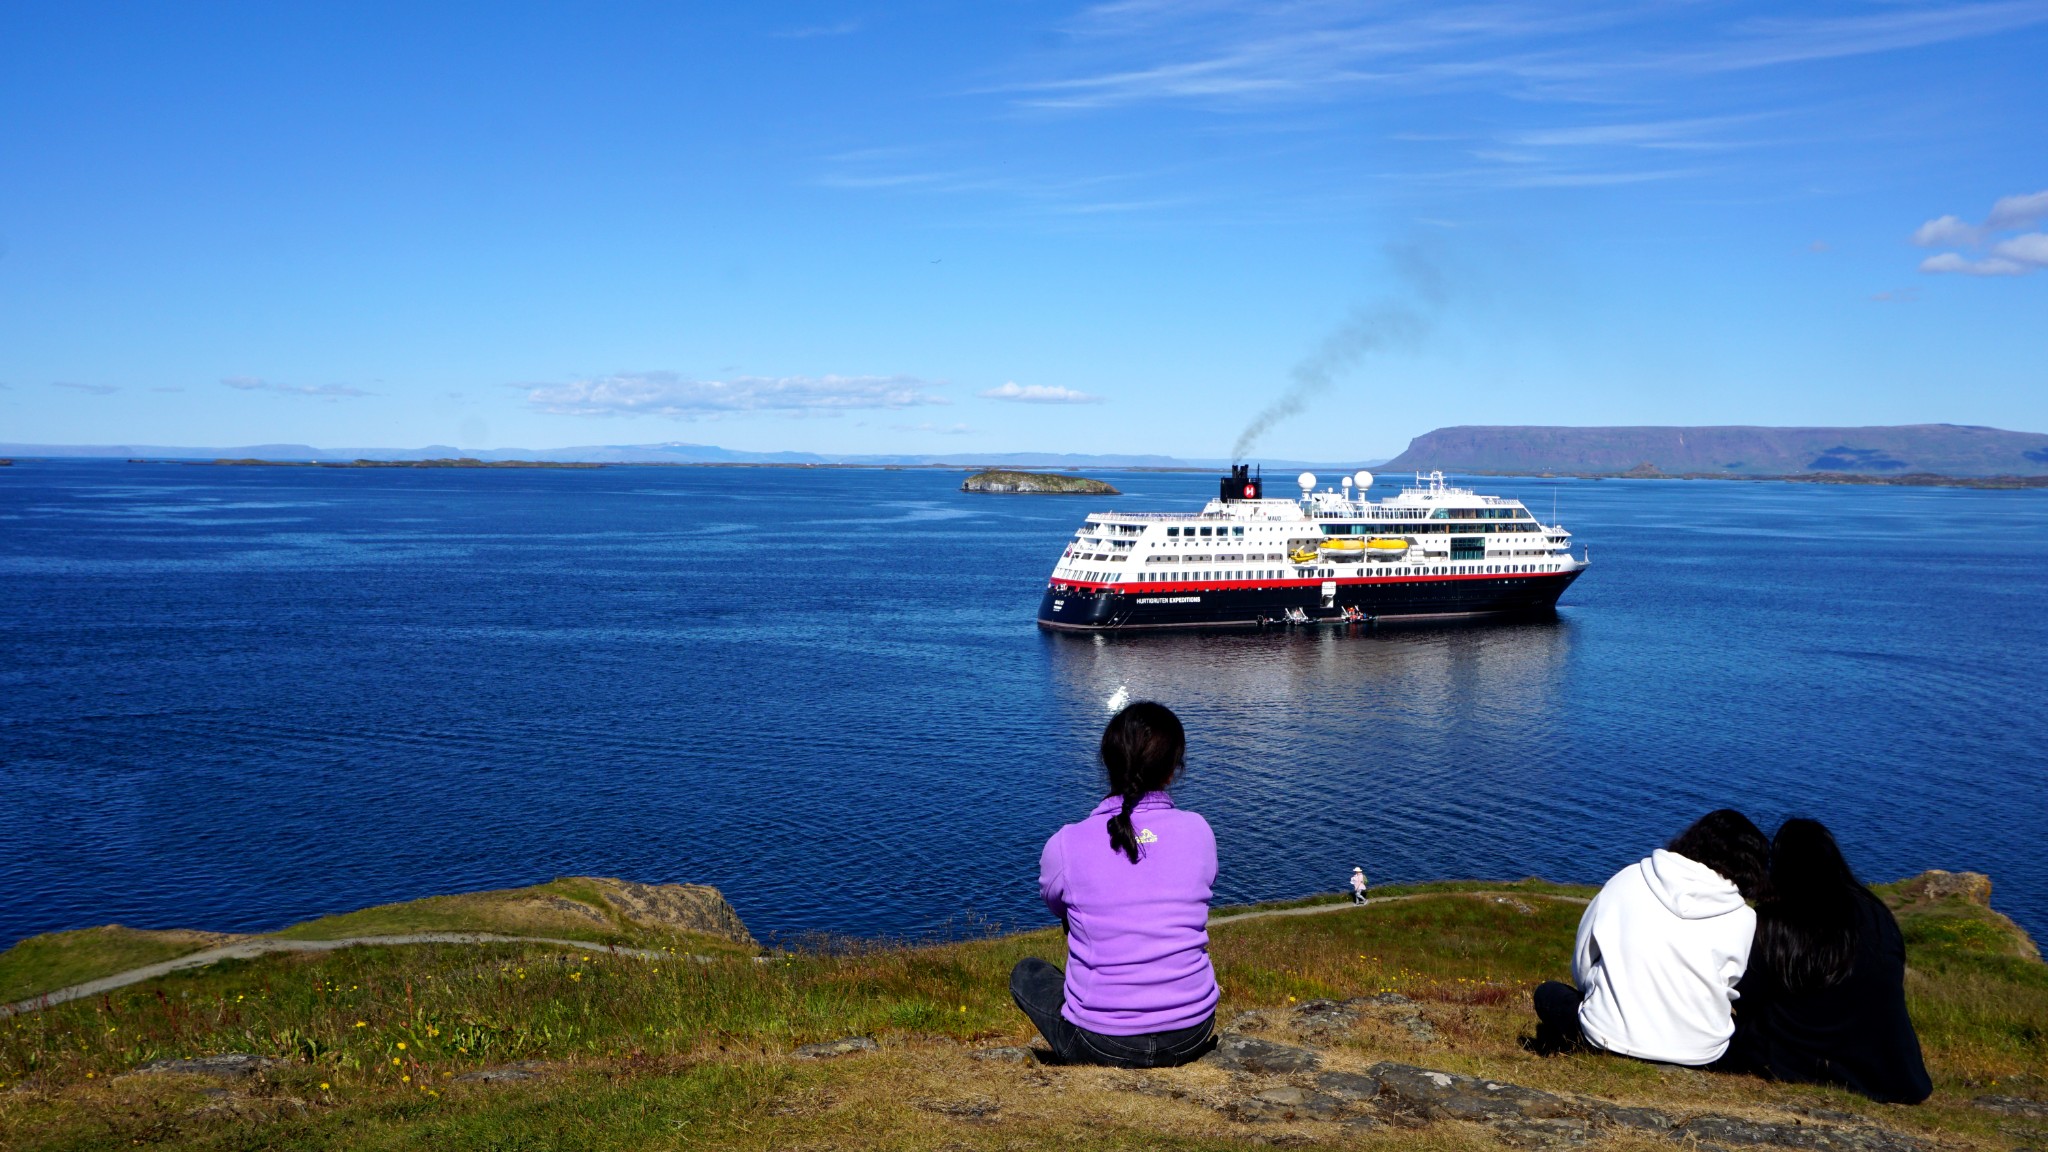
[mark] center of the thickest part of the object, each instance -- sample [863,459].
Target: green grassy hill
[524,1046]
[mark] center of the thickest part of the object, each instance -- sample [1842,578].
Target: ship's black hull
[1079,607]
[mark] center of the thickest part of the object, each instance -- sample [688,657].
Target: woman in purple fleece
[1131,884]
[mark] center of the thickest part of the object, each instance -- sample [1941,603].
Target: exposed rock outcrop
[685,907]
[1936,884]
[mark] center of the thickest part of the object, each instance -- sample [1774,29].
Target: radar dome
[1308,481]
[1364,480]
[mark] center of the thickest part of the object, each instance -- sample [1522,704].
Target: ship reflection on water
[1417,671]
[1403,750]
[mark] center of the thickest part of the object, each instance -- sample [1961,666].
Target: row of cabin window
[1399,529]
[1190,531]
[1467,514]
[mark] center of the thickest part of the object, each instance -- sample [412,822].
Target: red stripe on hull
[1340,581]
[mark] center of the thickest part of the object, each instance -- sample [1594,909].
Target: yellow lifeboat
[1387,547]
[1303,556]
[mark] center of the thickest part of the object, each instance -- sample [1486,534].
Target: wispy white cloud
[1963,265]
[1258,52]
[1038,394]
[1764,43]
[2018,211]
[94,389]
[1577,62]
[1696,134]
[2027,248]
[912,171]
[322,391]
[681,397]
[1945,232]
[2015,255]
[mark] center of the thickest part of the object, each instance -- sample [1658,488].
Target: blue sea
[232,698]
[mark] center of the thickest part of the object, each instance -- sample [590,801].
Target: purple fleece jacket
[1137,934]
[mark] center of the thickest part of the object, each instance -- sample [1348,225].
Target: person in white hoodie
[1661,949]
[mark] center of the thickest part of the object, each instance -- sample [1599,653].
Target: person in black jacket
[1824,998]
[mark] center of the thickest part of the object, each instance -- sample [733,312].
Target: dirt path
[249,949]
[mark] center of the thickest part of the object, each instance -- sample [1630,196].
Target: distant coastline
[459,462]
[1914,455]
[1643,471]
[667,453]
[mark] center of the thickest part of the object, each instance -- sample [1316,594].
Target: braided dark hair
[1144,748]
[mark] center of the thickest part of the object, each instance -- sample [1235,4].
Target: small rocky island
[1002,480]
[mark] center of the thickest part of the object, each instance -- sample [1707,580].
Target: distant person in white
[1358,885]
[1661,949]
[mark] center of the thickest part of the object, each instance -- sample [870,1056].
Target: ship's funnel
[1240,484]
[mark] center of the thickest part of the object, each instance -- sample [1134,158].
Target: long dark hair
[1143,748]
[1806,932]
[1726,841]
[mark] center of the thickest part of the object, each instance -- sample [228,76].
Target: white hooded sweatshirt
[1659,953]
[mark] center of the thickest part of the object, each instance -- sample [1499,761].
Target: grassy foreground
[625,1053]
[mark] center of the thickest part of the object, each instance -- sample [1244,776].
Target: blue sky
[995,226]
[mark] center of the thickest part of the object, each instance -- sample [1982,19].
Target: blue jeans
[1041,990]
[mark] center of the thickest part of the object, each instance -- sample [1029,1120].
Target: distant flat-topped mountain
[1943,449]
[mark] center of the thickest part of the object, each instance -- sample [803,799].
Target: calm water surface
[235,697]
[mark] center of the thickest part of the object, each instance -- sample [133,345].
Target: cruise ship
[1432,551]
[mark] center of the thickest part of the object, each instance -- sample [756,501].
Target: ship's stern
[1067,608]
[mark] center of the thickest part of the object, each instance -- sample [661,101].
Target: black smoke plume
[1400,324]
